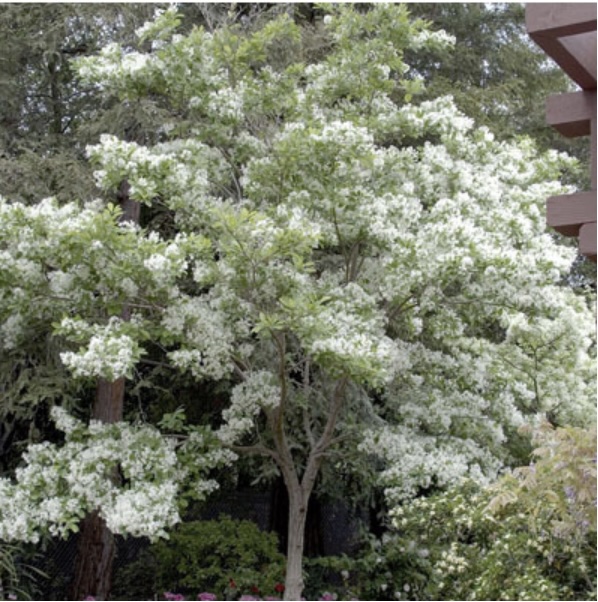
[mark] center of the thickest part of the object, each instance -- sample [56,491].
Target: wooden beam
[555,20]
[593,143]
[571,113]
[567,213]
[567,33]
[587,240]
[574,67]
[583,47]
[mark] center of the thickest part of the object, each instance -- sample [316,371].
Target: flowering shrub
[560,486]
[462,551]
[452,546]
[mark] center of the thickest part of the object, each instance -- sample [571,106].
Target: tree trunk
[300,490]
[95,555]
[298,503]
[96,547]
[279,520]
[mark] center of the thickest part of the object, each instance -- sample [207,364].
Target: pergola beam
[587,240]
[567,213]
[556,20]
[571,114]
[567,33]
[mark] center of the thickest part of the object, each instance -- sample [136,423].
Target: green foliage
[560,487]
[45,114]
[29,383]
[209,556]
[135,580]
[493,62]
[19,579]
[495,73]
[452,547]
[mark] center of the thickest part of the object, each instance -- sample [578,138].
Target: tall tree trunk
[96,547]
[298,503]
[95,554]
[301,488]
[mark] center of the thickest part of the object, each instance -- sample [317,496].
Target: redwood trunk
[96,547]
[95,555]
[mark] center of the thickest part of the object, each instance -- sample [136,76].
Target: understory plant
[529,536]
[227,558]
[20,577]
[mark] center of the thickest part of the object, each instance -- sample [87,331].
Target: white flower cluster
[145,511]
[59,485]
[101,67]
[439,40]
[111,351]
[167,265]
[206,338]
[227,103]
[173,170]
[259,391]
[439,116]
[451,562]
[347,333]
[294,218]
[418,461]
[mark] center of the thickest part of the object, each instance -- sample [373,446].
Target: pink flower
[206,596]
[173,597]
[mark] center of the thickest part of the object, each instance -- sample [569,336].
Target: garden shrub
[136,580]
[561,484]
[226,556]
[530,536]
[451,546]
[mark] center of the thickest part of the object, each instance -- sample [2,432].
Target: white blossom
[258,392]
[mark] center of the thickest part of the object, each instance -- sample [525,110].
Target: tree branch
[317,453]
[255,450]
